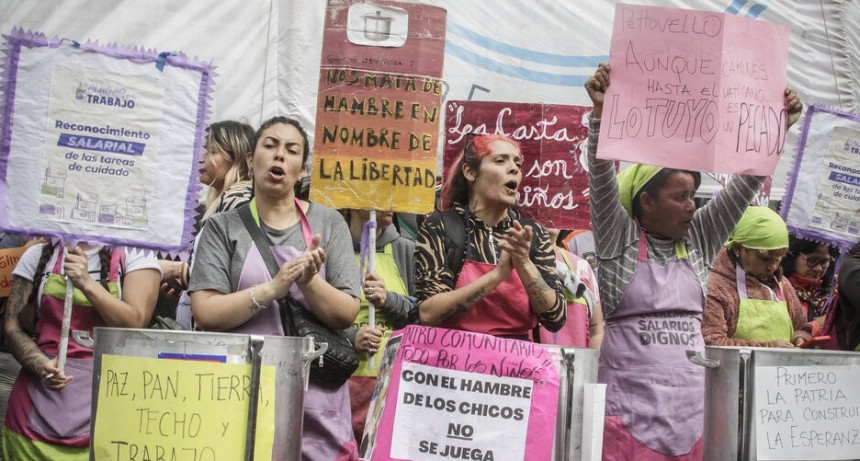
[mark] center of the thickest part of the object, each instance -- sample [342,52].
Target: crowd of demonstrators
[478,266]
[232,289]
[809,267]
[224,169]
[654,249]
[749,302]
[584,324]
[48,415]
[387,290]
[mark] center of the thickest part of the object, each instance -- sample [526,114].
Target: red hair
[455,187]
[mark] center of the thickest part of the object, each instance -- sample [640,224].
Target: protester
[9,367]
[48,416]
[654,250]
[809,267]
[749,302]
[481,269]
[233,291]
[386,290]
[225,170]
[848,320]
[581,243]
[584,324]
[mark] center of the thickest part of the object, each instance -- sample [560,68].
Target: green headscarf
[632,180]
[760,228]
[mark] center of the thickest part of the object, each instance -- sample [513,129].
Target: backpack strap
[455,232]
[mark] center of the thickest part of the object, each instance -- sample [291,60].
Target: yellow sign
[8,260]
[176,409]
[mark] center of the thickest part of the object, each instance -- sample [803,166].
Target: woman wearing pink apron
[654,249]
[232,289]
[506,280]
[584,325]
[48,416]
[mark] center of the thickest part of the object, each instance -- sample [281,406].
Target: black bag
[339,361]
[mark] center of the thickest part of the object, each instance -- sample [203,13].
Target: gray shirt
[617,236]
[225,242]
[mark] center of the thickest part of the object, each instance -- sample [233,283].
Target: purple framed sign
[822,201]
[100,143]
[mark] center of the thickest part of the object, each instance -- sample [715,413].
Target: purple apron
[327,433]
[654,395]
[60,417]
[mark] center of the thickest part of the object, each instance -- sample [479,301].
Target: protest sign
[460,395]
[8,260]
[554,188]
[762,197]
[687,91]
[807,412]
[379,106]
[179,409]
[822,201]
[100,143]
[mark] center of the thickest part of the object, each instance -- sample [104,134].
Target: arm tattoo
[18,342]
[537,287]
[460,308]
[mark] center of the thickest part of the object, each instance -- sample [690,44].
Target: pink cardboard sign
[689,91]
[455,394]
[554,188]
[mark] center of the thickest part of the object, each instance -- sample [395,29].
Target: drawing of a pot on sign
[85,207]
[54,182]
[377,26]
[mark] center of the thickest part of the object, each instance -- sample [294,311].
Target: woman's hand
[793,106]
[596,88]
[290,272]
[313,259]
[517,242]
[367,339]
[76,267]
[781,343]
[374,290]
[53,377]
[172,277]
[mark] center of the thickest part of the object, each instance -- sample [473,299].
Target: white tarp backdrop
[267,52]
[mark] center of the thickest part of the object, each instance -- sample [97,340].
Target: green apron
[386,268]
[762,319]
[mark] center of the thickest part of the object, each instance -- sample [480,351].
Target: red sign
[554,190]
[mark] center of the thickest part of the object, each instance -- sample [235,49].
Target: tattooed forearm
[18,341]
[460,308]
[474,297]
[26,351]
[537,288]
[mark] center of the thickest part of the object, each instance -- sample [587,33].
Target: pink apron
[60,417]
[575,331]
[504,311]
[654,396]
[327,429]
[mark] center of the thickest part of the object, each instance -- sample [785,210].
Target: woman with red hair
[478,266]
